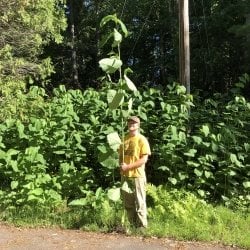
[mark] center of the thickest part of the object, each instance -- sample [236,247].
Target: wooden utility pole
[184,50]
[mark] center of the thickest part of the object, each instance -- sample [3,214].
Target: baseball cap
[134,118]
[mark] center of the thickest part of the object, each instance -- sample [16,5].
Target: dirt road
[13,238]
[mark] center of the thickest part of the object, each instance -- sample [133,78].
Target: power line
[124,4]
[206,34]
[146,19]
[205,26]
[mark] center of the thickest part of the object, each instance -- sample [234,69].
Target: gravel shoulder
[13,238]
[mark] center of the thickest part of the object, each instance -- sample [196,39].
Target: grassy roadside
[180,215]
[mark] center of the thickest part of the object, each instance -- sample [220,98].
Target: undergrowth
[172,213]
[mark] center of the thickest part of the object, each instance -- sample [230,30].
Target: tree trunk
[73,48]
[184,50]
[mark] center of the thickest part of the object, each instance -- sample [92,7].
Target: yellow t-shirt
[134,148]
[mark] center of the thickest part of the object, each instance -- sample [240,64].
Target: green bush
[56,151]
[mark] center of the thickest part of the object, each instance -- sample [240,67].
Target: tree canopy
[62,37]
[219,39]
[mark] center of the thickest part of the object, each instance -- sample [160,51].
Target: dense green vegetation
[56,152]
[173,213]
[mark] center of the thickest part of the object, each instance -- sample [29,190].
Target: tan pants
[134,198]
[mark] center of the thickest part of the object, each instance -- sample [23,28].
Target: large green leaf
[127,187]
[36,191]
[105,39]
[193,164]
[14,165]
[79,202]
[12,151]
[191,152]
[201,192]
[234,159]
[109,162]
[172,180]
[2,154]
[114,18]
[14,184]
[208,174]
[198,172]
[205,130]
[107,19]
[114,140]
[78,137]
[32,153]
[110,95]
[107,158]
[117,100]
[123,27]
[197,139]
[110,65]
[59,152]
[174,133]
[20,128]
[130,84]
[130,105]
[114,194]
[117,38]
[246,184]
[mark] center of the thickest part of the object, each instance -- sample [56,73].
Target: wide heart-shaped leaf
[108,159]
[110,65]
[114,140]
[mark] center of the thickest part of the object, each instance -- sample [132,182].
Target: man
[133,155]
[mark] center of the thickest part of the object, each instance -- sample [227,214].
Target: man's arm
[136,164]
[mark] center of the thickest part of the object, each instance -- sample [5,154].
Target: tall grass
[172,213]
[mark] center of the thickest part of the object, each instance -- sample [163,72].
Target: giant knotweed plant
[121,97]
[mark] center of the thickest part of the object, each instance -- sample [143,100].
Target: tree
[216,53]
[217,38]
[26,27]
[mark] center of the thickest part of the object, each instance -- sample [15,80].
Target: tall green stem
[122,120]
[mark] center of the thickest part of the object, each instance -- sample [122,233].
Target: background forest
[55,99]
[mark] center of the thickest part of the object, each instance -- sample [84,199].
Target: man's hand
[124,166]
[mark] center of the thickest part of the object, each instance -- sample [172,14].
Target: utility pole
[184,50]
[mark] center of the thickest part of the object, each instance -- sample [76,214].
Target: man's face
[133,126]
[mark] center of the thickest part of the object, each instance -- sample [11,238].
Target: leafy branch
[116,97]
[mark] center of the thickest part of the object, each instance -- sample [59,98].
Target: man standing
[133,155]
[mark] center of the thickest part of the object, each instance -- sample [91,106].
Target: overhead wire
[205,26]
[124,4]
[146,19]
[206,33]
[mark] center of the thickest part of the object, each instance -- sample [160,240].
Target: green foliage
[44,174]
[33,24]
[26,27]
[19,105]
[182,215]
[172,213]
[179,206]
[207,156]
[99,207]
[54,150]
[116,98]
[151,47]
